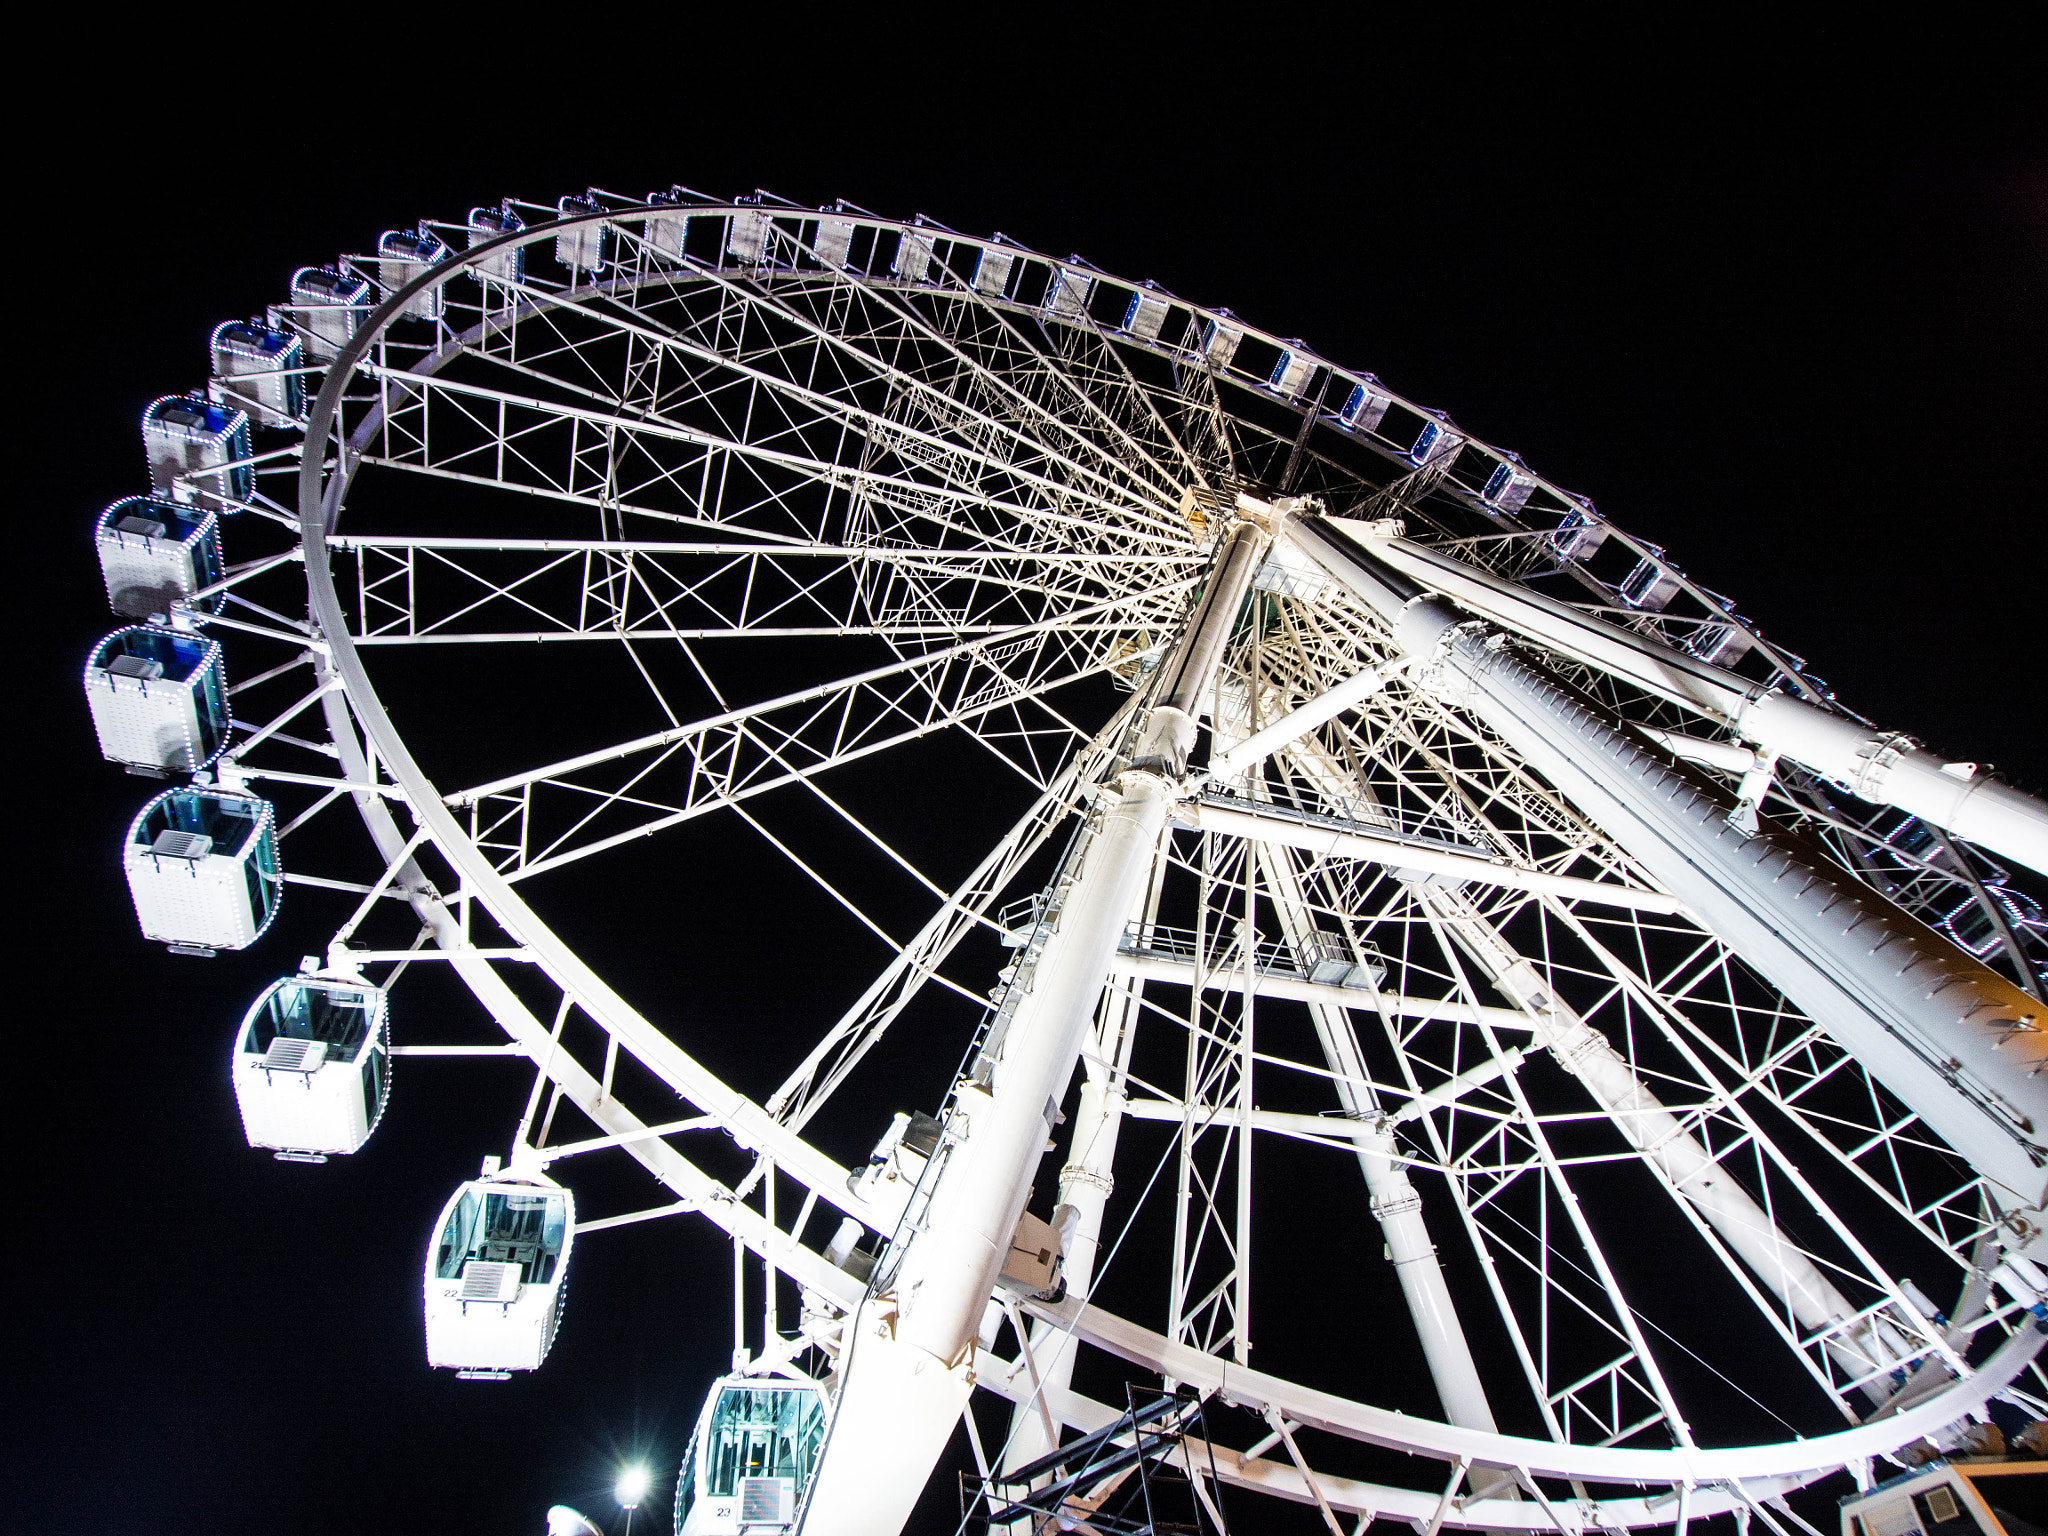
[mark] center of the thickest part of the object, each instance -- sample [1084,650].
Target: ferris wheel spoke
[943,478]
[1109,475]
[807,1089]
[1012,371]
[414,588]
[771,414]
[969,676]
[872,347]
[1090,358]
[494,430]
[958,436]
[745,487]
[723,762]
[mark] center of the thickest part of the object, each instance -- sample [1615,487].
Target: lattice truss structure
[819,493]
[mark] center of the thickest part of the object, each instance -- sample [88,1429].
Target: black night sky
[1797,341]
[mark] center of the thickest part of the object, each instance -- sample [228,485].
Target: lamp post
[630,1490]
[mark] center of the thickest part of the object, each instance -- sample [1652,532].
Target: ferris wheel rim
[320,501]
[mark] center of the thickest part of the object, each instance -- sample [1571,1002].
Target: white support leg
[911,1361]
[1085,1187]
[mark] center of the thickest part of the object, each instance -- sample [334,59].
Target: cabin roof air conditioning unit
[485,1281]
[288,1055]
[136,666]
[764,1499]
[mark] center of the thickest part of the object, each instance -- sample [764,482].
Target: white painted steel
[1883,767]
[1269,739]
[1111,485]
[1866,1348]
[1397,853]
[1086,1183]
[1183,973]
[1393,1201]
[1892,769]
[1839,952]
[1681,1464]
[904,1387]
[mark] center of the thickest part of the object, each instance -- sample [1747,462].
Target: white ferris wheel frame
[377,768]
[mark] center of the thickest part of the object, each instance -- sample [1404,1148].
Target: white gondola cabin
[312,1067]
[159,699]
[402,255]
[1437,441]
[1650,586]
[495,1273]
[508,265]
[259,370]
[202,869]
[198,452]
[1580,535]
[752,1457]
[327,306]
[155,553]
[665,234]
[1366,406]
[581,249]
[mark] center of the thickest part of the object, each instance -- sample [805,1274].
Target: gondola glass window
[311,1067]
[753,1454]
[505,1226]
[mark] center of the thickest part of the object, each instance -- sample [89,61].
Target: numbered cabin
[751,1459]
[495,1273]
[312,1067]
[159,698]
[202,868]
[155,553]
[198,452]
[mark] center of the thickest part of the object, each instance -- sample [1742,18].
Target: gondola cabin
[198,452]
[155,553]
[495,1274]
[507,265]
[312,1067]
[259,370]
[327,306]
[402,255]
[756,1446]
[202,869]
[159,699]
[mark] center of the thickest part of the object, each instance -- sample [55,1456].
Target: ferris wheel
[1362,893]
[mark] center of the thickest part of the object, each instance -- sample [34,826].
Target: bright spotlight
[632,1487]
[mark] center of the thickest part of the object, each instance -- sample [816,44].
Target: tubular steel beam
[1963,1047]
